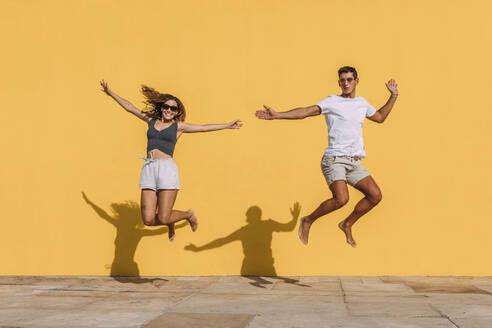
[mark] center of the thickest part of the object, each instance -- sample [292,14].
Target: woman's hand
[234,124]
[105,87]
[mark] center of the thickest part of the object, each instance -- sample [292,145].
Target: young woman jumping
[159,180]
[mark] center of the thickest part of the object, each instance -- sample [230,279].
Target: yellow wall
[60,136]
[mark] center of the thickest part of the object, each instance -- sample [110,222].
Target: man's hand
[266,114]
[392,87]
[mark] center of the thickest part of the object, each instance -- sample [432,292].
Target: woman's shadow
[256,239]
[130,230]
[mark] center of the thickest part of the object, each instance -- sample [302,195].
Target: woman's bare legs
[372,197]
[340,198]
[163,202]
[167,215]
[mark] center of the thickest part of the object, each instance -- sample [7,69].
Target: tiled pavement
[236,302]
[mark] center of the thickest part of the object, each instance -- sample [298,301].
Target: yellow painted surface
[60,136]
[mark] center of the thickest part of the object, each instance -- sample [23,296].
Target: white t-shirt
[344,118]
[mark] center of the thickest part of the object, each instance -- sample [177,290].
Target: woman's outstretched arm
[128,106]
[190,128]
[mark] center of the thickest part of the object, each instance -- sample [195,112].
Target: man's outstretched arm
[384,111]
[294,114]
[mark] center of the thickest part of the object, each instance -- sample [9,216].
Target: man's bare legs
[165,215]
[372,197]
[340,198]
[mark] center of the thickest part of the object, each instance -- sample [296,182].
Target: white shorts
[159,174]
[346,168]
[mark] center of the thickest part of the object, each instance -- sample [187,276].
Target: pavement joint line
[489,293]
[343,291]
[166,309]
[198,291]
[443,315]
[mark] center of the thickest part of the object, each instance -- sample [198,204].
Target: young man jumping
[341,163]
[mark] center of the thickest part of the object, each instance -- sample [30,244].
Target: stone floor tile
[319,288]
[473,323]
[18,290]
[74,292]
[393,279]
[483,286]
[373,289]
[315,279]
[375,309]
[447,288]
[139,302]
[353,279]
[12,316]
[465,311]
[361,298]
[246,303]
[436,298]
[45,302]
[200,320]
[371,280]
[300,320]
[483,280]
[327,320]
[240,285]
[272,286]
[187,283]
[95,319]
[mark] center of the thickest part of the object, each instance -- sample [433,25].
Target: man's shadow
[256,239]
[127,220]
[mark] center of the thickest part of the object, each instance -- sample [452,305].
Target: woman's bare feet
[348,233]
[193,220]
[303,232]
[171,232]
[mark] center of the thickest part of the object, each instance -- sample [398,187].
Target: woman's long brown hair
[154,101]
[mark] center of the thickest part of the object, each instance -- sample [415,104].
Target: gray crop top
[163,140]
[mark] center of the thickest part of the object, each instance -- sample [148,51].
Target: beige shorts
[159,174]
[345,168]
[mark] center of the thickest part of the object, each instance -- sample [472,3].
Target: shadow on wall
[129,230]
[256,239]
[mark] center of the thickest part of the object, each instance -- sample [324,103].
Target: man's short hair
[347,69]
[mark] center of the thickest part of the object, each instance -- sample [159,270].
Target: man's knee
[340,201]
[375,198]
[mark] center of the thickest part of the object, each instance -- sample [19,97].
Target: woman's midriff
[156,153]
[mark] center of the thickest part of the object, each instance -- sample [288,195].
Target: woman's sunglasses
[173,108]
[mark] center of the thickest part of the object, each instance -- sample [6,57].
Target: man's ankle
[308,219]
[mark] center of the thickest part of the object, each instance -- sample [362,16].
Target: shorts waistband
[357,158]
[152,159]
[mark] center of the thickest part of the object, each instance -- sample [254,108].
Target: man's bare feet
[303,232]
[348,234]
[171,232]
[193,220]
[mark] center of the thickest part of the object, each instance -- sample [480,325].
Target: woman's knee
[148,218]
[164,217]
